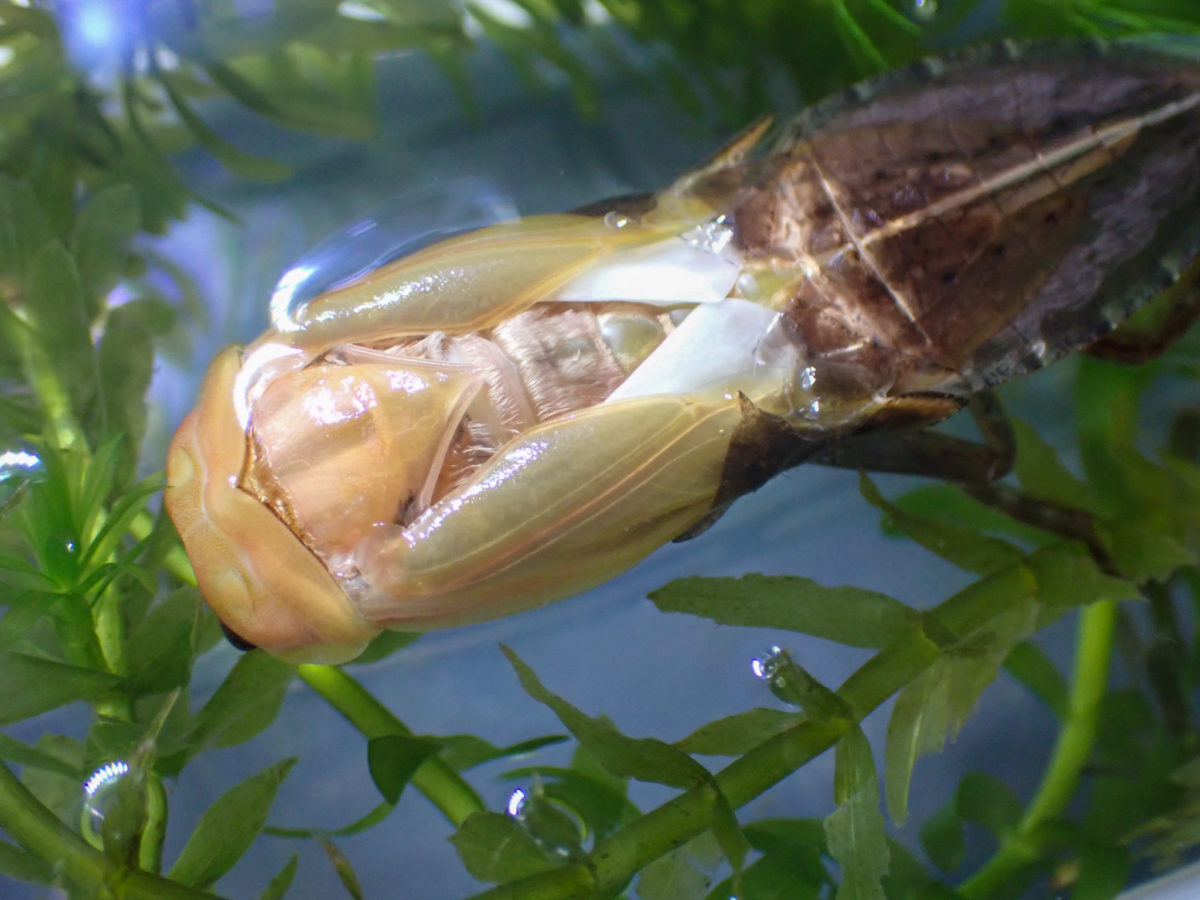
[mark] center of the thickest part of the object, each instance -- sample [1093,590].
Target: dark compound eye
[236,639]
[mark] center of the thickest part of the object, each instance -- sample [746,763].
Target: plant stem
[444,787]
[1022,847]
[95,875]
[617,858]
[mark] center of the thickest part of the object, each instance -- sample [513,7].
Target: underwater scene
[600,449]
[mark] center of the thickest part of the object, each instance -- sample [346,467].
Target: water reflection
[415,219]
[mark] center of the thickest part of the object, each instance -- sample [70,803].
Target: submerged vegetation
[98,597]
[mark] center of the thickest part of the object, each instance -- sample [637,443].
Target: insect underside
[511,416]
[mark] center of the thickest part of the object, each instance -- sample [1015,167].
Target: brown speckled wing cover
[978,216]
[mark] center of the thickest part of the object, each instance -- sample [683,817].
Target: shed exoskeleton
[513,415]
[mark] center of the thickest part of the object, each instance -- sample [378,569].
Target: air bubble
[413,220]
[553,827]
[808,378]
[114,808]
[774,668]
[925,9]
[19,467]
[615,220]
[713,236]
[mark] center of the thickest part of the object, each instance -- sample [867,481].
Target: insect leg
[932,453]
[1152,330]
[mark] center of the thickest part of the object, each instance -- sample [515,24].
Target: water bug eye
[236,639]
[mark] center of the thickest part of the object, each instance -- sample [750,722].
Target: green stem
[617,858]
[444,787]
[41,375]
[1022,847]
[37,829]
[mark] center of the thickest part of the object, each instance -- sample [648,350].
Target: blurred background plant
[98,100]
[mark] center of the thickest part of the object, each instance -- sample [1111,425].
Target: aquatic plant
[98,596]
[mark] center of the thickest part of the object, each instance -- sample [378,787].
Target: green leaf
[54,299]
[791,865]
[942,838]
[245,703]
[771,878]
[57,791]
[1068,576]
[988,801]
[465,751]
[30,685]
[159,647]
[23,754]
[125,365]
[1029,664]
[247,165]
[946,503]
[23,229]
[937,703]
[392,760]
[907,878]
[1042,475]
[683,874]
[19,864]
[675,876]
[1103,872]
[362,823]
[736,734]
[646,759]
[279,885]
[854,830]
[1142,551]
[341,865]
[494,847]
[228,828]
[848,615]
[966,548]
[104,229]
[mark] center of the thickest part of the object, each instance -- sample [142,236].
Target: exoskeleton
[513,415]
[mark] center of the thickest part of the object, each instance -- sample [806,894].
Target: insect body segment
[516,414]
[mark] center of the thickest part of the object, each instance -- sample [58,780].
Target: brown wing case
[971,218]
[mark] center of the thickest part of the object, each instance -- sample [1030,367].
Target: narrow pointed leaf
[100,242]
[30,685]
[229,827]
[736,734]
[1042,474]
[494,847]
[988,801]
[465,751]
[278,886]
[942,838]
[855,830]
[245,703]
[1029,664]
[54,299]
[1068,576]
[849,615]
[965,548]
[341,864]
[394,758]
[19,864]
[646,759]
